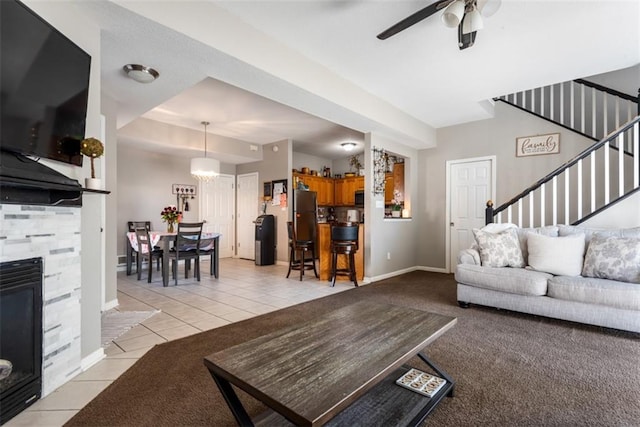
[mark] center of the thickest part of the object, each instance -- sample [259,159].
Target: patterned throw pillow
[499,249]
[616,258]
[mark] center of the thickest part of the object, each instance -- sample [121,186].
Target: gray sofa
[598,300]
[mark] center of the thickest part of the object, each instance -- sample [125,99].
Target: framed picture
[266,191]
[538,145]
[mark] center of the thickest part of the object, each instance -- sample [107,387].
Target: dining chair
[209,247]
[187,247]
[302,247]
[132,226]
[146,252]
[344,241]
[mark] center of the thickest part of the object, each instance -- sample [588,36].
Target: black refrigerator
[305,215]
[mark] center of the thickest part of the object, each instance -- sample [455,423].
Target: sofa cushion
[589,290]
[511,280]
[616,258]
[568,230]
[556,255]
[550,230]
[499,249]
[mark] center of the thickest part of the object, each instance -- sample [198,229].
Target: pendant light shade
[203,168]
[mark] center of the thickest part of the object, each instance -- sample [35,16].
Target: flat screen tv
[44,87]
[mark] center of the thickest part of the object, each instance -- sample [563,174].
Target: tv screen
[44,87]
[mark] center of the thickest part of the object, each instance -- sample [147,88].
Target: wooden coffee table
[338,369]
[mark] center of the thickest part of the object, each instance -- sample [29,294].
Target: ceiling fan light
[472,22]
[452,14]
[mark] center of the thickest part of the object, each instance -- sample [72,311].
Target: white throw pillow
[561,256]
[499,249]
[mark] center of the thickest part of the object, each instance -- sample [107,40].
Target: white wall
[483,138]
[316,163]
[144,188]
[624,214]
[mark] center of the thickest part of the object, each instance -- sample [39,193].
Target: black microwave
[359,199]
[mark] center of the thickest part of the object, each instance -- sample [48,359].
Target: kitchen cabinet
[322,186]
[398,178]
[388,188]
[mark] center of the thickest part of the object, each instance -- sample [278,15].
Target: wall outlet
[388,255]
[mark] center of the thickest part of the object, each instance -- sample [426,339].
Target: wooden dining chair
[187,248]
[132,226]
[146,252]
[209,247]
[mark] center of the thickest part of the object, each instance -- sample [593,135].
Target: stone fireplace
[52,233]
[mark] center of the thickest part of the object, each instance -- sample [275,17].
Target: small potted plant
[92,148]
[170,214]
[396,204]
[354,163]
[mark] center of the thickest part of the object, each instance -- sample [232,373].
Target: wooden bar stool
[300,246]
[344,241]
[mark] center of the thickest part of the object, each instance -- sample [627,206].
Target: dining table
[164,239]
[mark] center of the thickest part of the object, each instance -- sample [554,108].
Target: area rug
[115,323]
[510,368]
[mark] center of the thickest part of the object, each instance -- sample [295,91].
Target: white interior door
[217,208]
[248,209]
[471,184]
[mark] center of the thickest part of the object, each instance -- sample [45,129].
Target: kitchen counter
[324,255]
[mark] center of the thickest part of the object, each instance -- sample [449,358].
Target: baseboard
[92,359]
[432,269]
[110,305]
[392,274]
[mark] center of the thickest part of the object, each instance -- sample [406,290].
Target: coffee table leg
[439,371]
[232,400]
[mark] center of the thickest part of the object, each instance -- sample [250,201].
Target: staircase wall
[625,214]
[490,137]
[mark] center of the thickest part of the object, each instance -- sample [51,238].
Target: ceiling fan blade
[413,19]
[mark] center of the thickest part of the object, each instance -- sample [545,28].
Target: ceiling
[313,71]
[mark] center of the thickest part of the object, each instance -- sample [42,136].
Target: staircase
[603,174]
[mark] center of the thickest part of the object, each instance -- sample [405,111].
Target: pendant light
[203,168]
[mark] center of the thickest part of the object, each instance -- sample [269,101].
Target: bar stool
[344,241]
[301,246]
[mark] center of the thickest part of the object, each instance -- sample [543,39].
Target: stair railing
[587,108]
[580,187]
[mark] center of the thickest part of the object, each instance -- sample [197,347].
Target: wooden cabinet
[322,186]
[388,188]
[332,192]
[398,178]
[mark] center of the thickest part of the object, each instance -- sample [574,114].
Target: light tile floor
[243,290]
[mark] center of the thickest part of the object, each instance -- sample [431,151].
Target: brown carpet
[510,368]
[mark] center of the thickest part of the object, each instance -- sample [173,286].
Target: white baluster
[542,101]
[499,218]
[636,157]
[621,165]
[551,100]
[593,180]
[607,178]
[579,189]
[593,112]
[509,214]
[520,213]
[617,112]
[533,100]
[605,128]
[554,200]
[582,108]
[531,201]
[542,205]
[567,196]
[572,108]
[562,103]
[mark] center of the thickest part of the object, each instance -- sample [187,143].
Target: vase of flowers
[170,214]
[396,204]
[92,148]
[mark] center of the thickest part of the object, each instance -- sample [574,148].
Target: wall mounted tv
[44,87]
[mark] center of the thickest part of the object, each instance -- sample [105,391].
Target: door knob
[452,224]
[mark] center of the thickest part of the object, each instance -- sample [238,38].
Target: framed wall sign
[538,145]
